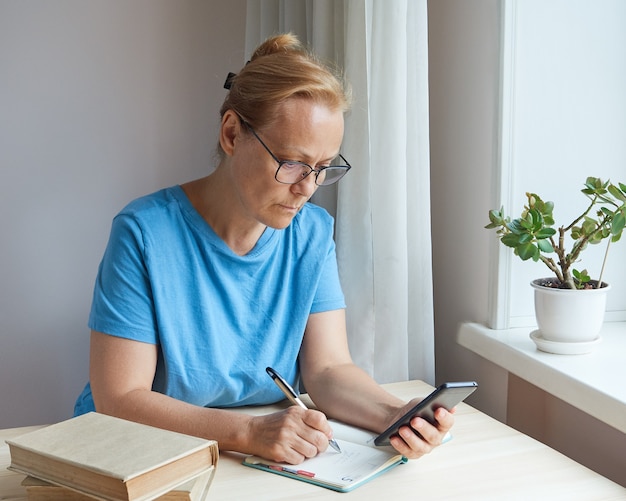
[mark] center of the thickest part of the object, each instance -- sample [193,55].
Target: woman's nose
[307,186]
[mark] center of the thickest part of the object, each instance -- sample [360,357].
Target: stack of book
[103,457]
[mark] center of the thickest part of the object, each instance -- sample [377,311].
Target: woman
[204,285]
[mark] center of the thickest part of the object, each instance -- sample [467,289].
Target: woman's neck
[212,197]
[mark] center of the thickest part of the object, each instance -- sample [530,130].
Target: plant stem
[573,223]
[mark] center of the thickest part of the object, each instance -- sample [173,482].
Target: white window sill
[594,383]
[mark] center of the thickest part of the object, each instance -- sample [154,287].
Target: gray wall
[100,102]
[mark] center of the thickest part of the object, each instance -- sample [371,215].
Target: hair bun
[283,68]
[286,42]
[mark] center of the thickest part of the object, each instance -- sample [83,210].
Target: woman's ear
[230,130]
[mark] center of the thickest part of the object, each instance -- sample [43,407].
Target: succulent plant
[533,236]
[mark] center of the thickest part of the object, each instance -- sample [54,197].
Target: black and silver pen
[290,393]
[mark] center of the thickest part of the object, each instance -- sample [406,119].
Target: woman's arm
[345,392]
[121,374]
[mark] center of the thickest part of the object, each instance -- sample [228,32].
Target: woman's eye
[292,166]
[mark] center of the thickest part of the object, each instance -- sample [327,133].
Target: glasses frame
[317,171]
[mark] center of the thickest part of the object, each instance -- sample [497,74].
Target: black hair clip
[229,80]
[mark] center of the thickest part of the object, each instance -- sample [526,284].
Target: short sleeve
[122,300]
[329,295]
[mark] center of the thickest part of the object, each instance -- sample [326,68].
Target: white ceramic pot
[568,315]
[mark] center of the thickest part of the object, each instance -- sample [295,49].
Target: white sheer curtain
[382,207]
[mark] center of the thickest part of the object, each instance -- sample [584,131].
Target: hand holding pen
[290,393]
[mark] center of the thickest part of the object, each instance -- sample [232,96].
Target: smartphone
[447,396]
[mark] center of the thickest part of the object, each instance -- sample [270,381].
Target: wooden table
[485,460]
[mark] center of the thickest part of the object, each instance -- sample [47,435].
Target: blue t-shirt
[218,318]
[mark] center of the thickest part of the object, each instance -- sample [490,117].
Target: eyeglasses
[292,172]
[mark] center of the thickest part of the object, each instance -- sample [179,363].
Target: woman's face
[305,132]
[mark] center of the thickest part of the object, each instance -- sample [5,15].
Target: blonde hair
[282,68]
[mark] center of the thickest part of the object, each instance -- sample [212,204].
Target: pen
[293,397]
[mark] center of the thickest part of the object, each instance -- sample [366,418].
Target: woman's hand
[421,437]
[289,436]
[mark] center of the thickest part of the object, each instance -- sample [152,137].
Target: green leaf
[545,246]
[538,220]
[548,207]
[527,223]
[495,217]
[589,225]
[545,233]
[594,186]
[527,251]
[532,221]
[533,199]
[619,221]
[582,277]
[515,226]
[606,211]
[615,191]
[510,240]
[596,238]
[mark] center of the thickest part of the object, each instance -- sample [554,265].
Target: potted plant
[565,303]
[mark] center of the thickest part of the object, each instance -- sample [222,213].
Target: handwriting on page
[354,462]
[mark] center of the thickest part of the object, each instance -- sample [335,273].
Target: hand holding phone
[447,396]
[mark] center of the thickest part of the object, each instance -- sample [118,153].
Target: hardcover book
[193,490]
[111,458]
